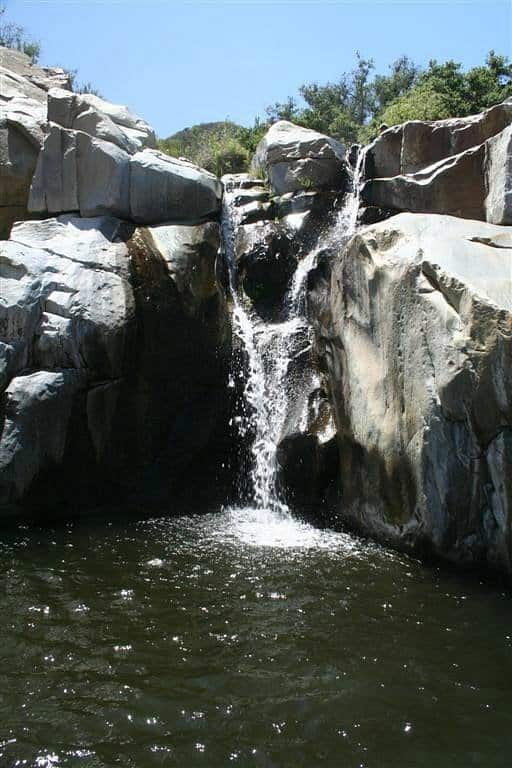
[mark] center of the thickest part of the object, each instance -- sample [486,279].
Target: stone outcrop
[414,145]
[23,114]
[92,115]
[21,78]
[114,344]
[99,159]
[64,152]
[114,338]
[80,172]
[295,158]
[435,168]
[414,329]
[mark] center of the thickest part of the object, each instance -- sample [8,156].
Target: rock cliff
[415,330]
[374,360]
[114,335]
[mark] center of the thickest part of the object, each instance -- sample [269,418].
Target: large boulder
[114,345]
[66,300]
[454,186]
[474,184]
[23,113]
[99,118]
[164,188]
[295,158]
[92,176]
[409,147]
[37,412]
[415,334]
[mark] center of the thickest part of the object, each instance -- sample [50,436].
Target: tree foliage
[446,90]
[15,36]
[354,107]
[221,147]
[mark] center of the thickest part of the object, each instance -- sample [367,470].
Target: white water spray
[271,349]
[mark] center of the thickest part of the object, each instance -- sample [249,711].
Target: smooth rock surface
[415,333]
[163,188]
[409,147]
[37,412]
[432,167]
[454,186]
[295,158]
[86,174]
[23,95]
[498,178]
[99,118]
[114,345]
[66,300]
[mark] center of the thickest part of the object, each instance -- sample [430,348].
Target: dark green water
[233,639]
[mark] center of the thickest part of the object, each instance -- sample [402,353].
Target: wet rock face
[113,359]
[415,336]
[307,454]
[266,259]
[271,234]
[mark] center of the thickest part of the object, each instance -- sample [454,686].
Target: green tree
[421,103]
[489,84]
[388,88]
[14,36]
[286,110]
[220,148]
[361,103]
[446,90]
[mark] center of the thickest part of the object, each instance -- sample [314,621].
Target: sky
[181,62]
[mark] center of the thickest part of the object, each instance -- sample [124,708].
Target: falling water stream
[271,348]
[244,636]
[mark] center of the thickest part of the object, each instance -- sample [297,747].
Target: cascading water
[272,347]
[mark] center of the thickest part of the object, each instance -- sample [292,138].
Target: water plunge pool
[242,637]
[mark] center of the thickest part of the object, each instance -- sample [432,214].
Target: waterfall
[272,347]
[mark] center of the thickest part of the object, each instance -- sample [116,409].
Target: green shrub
[14,36]
[220,148]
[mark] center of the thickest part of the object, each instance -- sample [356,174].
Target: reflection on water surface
[242,638]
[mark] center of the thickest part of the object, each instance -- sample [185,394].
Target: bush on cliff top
[354,107]
[13,35]
[221,147]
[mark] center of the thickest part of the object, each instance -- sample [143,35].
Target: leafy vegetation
[445,90]
[354,107]
[79,87]
[351,109]
[221,147]
[13,35]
